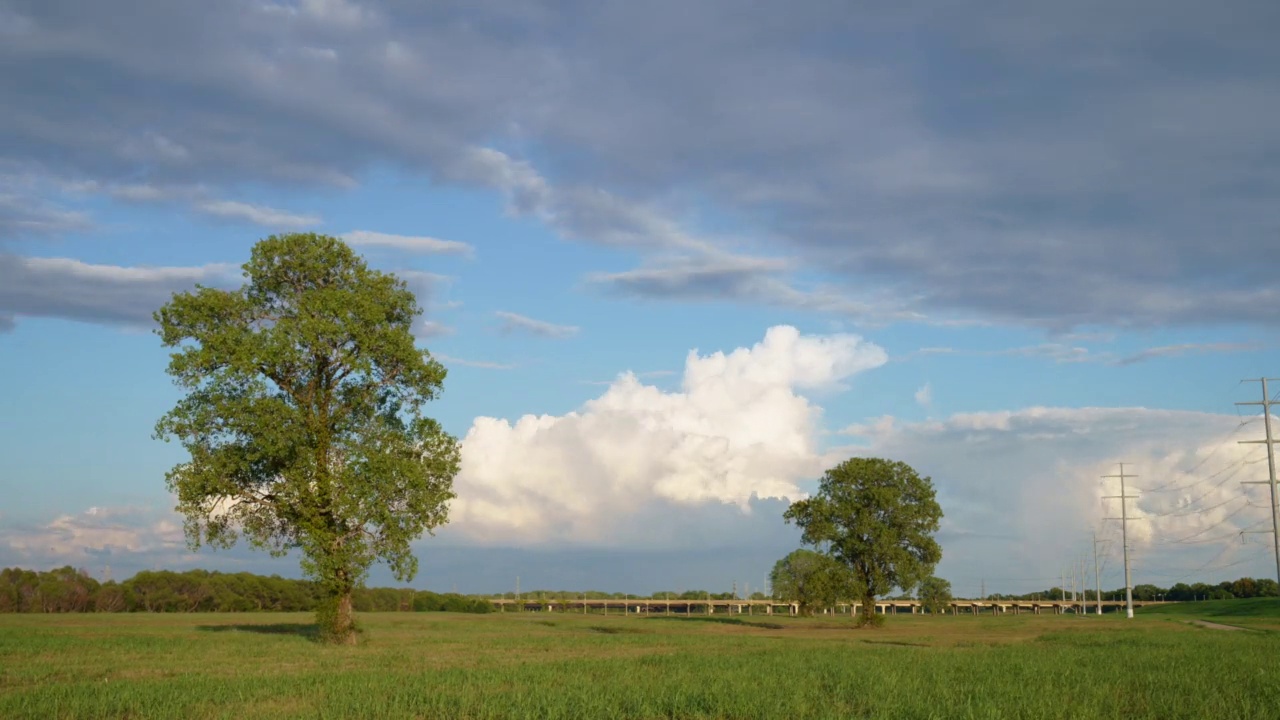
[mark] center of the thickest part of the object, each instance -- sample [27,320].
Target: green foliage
[877,517]
[303,415]
[935,593]
[812,579]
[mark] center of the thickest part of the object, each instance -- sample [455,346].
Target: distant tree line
[67,590]
[1245,587]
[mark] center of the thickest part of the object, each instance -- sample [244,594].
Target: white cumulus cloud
[738,428]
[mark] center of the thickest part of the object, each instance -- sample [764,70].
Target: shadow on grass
[902,643]
[310,632]
[722,620]
[616,630]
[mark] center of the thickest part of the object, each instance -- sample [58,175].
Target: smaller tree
[1244,588]
[877,517]
[935,594]
[811,579]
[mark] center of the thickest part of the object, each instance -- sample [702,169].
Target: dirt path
[1214,625]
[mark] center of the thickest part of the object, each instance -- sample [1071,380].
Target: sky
[678,258]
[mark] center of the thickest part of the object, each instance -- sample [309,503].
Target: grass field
[539,665]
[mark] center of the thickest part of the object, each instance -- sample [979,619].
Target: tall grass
[541,665]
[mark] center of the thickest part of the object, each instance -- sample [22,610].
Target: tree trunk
[344,623]
[335,616]
[868,615]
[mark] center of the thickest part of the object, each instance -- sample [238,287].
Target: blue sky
[1010,244]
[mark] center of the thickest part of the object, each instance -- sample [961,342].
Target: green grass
[539,665]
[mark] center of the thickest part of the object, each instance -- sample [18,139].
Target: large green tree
[304,417]
[812,580]
[877,517]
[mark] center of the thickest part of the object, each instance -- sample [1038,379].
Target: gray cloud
[26,217]
[1185,349]
[199,199]
[127,296]
[482,364]
[408,243]
[256,214]
[1048,163]
[104,294]
[736,278]
[514,322]
[1063,353]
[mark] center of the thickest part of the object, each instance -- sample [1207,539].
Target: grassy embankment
[536,665]
[1256,613]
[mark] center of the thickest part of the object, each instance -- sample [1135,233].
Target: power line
[1206,541]
[1200,511]
[1172,485]
[1210,565]
[1202,531]
[1235,467]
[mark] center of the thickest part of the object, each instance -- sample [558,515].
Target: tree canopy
[935,594]
[812,579]
[877,517]
[304,418]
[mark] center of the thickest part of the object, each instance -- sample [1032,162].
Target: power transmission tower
[1266,404]
[1124,497]
[1097,577]
[1084,583]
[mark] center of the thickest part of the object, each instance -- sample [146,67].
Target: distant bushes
[68,590]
